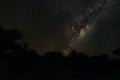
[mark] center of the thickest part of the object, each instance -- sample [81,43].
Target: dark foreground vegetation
[19,63]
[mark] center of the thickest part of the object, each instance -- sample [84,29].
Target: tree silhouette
[14,57]
[8,50]
[77,56]
[8,41]
[116,52]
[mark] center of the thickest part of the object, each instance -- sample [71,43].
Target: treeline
[17,62]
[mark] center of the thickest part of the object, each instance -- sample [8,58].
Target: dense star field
[89,26]
[59,39]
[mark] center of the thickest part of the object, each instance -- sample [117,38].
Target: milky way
[81,23]
[89,26]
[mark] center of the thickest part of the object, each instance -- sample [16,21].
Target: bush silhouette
[117,52]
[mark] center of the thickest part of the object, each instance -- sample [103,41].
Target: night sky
[90,26]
